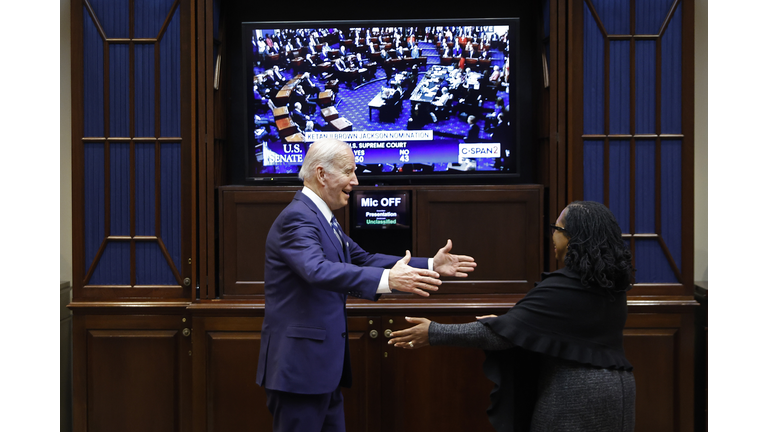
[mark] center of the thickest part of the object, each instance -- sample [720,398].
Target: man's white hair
[327,153]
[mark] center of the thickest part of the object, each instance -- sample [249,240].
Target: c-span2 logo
[480,150]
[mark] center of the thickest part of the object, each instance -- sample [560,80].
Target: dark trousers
[293,412]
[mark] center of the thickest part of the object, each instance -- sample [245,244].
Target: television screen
[412,98]
[381,209]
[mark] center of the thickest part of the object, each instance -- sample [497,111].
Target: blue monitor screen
[414,98]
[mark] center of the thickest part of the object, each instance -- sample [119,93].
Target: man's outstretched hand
[403,277]
[447,264]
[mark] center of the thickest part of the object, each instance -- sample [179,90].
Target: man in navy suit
[302,120]
[311,266]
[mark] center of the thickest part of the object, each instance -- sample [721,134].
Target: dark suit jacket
[304,346]
[473,134]
[300,119]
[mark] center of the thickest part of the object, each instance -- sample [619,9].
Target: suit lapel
[326,227]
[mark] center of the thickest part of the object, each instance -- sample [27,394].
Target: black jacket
[560,318]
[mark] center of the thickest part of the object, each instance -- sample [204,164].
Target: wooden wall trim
[387,304]
[688,123]
[77,128]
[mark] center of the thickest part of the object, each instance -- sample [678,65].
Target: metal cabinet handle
[374,334]
[388,333]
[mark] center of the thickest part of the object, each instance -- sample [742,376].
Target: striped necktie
[337,229]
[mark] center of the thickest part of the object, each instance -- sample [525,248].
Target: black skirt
[574,398]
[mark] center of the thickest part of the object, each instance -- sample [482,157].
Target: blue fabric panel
[594,76]
[650,15]
[546,14]
[93,79]
[170,79]
[671,196]
[618,186]
[672,76]
[145,189]
[593,170]
[113,15]
[144,91]
[652,266]
[151,266]
[619,87]
[119,189]
[645,87]
[149,16]
[93,200]
[170,207]
[114,267]
[645,187]
[614,15]
[119,103]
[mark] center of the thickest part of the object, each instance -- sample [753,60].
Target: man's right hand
[405,278]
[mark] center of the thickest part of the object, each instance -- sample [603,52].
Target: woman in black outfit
[556,358]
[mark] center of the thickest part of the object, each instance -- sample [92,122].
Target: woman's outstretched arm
[469,335]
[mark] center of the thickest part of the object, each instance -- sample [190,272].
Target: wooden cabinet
[393,389]
[434,388]
[658,341]
[131,372]
[225,393]
[226,396]
[501,226]
[136,370]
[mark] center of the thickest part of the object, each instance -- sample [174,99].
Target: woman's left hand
[414,337]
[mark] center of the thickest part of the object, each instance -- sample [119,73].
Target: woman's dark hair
[596,250]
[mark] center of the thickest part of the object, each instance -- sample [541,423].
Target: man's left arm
[362,258]
[444,263]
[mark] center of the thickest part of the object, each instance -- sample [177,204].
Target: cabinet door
[434,388]
[226,397]
[660,347]
[501,227]
[363,402]
[131,373]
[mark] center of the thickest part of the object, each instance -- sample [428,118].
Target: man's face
[339,181]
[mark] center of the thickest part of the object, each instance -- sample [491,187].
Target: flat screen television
[417,100]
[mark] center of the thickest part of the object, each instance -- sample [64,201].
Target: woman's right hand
[414,337]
